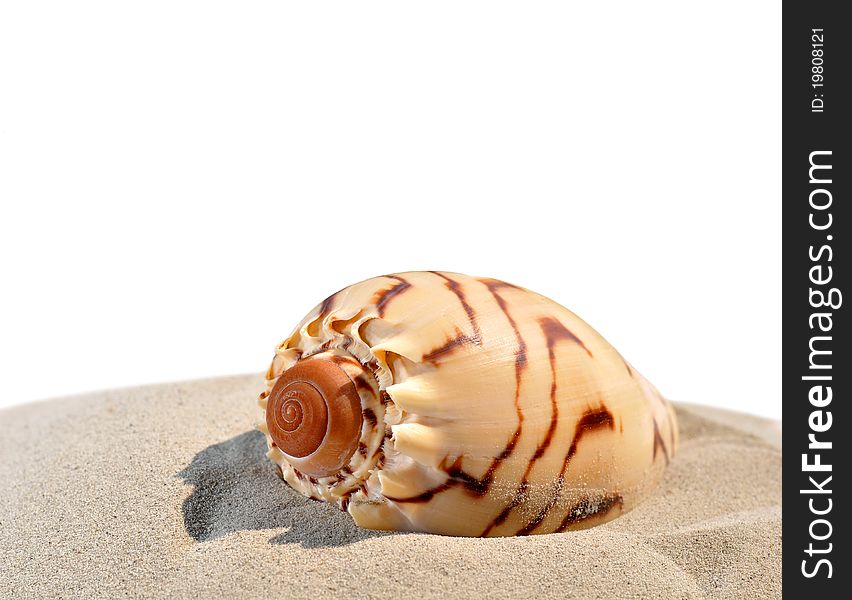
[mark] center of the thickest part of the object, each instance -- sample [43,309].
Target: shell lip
[314,417]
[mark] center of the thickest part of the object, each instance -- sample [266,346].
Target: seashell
[443,403]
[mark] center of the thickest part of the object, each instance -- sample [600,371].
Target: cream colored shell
[488,409]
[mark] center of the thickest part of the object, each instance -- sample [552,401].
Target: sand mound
[165,491]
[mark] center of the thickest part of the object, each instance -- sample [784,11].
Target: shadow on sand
[235,488]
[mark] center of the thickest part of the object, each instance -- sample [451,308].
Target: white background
[181,182]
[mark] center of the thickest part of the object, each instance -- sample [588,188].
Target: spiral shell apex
[443,403]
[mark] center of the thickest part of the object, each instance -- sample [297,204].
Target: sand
[165,491]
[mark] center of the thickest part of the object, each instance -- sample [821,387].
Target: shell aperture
[443,403]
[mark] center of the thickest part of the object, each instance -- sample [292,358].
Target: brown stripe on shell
[494,287]
[455,288]
[588,508]
[370,417]
[516,501]
[385,296]
[342,360]
[449,346]
[425,496]
[324,310]
[591,420]
[658,443]
[672,436]
[475,486]
[554,331]
[362,384]
[670,424]
[327,304]
[455,476]
[496,284]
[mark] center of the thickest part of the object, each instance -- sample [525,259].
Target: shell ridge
[456,475]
